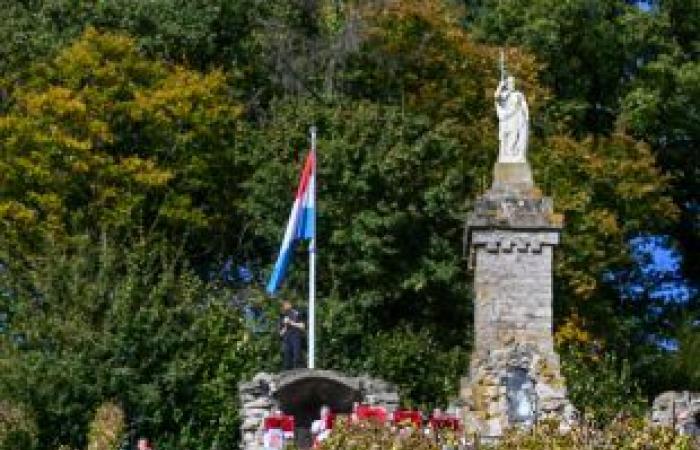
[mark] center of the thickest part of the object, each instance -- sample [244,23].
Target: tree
[663,108]
[589,51]
[640,76]
[391,189]
[134,325]
[202,34]
[100,137]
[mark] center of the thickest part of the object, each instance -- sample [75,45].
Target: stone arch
[301,393]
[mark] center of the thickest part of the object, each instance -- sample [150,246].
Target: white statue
[513,122]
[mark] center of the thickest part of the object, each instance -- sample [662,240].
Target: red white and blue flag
[302,222]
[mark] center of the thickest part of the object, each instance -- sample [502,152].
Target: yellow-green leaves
[99,134]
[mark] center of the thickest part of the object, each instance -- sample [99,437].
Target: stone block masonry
[301,393]
[513,289]
[680,410]
[514,376]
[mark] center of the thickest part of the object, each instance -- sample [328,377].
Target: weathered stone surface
[509,175]
[514,386]
[514,375]
[260,402]
[513,202]
[301,393]
[680,410]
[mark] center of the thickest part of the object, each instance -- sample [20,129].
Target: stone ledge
[509,241]
[513,201]
[512,211]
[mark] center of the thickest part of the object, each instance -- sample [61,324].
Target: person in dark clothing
[291,331]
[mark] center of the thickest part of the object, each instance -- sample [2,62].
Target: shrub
[367,435]
[621,434]
[426,374]
[603,387]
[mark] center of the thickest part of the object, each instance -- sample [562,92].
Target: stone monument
[514,377]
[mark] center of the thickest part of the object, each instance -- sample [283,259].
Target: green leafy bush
[626,434]
[130,324]
[426,374]
[601,387]
[367,435]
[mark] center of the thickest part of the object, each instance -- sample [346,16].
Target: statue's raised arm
[513,122]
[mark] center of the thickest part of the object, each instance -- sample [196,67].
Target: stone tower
[514,377]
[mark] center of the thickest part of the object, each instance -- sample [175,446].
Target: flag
[302,222]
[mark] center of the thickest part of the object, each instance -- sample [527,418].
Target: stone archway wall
[301,393]
[680,410]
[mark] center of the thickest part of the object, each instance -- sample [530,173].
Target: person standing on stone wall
[291,329]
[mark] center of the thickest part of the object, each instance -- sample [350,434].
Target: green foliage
[107,429]
[18,429]
[685,361]
[118,148]
[100,137]
[366,436]
[131,324]
[662,108]
[623,434]
[427,375]
[202,33]
[415,54]
[587,49]
[390,208]
[602,388]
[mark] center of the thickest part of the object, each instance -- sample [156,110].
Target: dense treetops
[147,148]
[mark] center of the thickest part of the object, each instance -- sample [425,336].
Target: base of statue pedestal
[512,175]
[517,386]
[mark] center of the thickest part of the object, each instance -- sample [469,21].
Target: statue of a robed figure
[513,122]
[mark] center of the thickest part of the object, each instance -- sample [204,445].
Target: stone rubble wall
[487,410]
[256,402]
[678,409]
[257,399]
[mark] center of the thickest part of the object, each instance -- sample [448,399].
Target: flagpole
[312,264]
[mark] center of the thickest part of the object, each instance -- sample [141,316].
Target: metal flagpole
[503,65]
[502,55]
[312,264]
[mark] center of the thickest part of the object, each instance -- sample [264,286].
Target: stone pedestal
[514,377]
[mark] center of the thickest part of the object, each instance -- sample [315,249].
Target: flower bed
[623,434]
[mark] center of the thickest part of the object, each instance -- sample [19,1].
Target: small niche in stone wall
[521,396]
